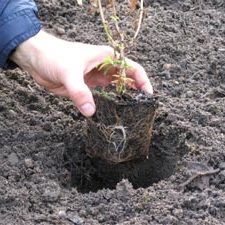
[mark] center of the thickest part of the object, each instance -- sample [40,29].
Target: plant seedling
[121,128]
[120,43]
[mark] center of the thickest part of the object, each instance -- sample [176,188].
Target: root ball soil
[121,128]
[47,178]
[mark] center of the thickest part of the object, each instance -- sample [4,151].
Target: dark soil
[47,178]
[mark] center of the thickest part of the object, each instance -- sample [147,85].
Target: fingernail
[148,88]
[87,109]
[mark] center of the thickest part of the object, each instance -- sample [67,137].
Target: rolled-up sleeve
[18,22]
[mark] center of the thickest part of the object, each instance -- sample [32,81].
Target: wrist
[27,53]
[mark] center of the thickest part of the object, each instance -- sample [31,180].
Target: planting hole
[167,148]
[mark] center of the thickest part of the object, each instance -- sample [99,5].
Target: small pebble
[60,31]
[222,165]
[13,159]
[50,191]
[168,66]
[178,213]
[12,113]
[222,174]
[62,214]
[77,220]
[29,163]
[189,94]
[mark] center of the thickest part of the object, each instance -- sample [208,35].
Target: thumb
[80,94]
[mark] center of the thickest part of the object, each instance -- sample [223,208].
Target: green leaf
[107,70]
[114,18]
[102,66]
[128,66]
[108,60]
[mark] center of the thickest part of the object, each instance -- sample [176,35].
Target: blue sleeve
[18,22]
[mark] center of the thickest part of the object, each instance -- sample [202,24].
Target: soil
[47,178]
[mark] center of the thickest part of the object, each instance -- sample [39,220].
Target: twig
[200,174]
[140,20]
[119,44]
[122,40]
[116,20]
[105,25]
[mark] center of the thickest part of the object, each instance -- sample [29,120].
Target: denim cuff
[15,29]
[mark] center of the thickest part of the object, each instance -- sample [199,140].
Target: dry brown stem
[140,19]
[200,174]
[120,43]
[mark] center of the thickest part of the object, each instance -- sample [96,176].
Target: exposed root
[118,140]
[115,136]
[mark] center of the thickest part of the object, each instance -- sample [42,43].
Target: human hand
[69,68]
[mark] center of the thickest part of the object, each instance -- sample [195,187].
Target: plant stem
[121,87]
[119,44]
[105,26]
[139,20]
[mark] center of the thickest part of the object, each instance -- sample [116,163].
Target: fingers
[80,94]
[138,73]
[97,55]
